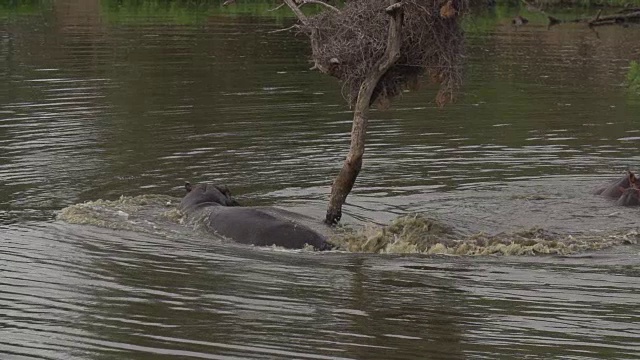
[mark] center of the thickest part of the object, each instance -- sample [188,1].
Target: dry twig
[302,2]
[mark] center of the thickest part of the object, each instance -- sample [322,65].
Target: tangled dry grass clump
[348,43]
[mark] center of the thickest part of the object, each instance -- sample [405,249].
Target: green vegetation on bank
[564,3]
[484,18]
[194,11]
[186,11]
[252,7]
[145,11]
[633,77]
[169,11]
[23,7]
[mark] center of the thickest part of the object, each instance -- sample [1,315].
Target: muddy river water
[115,104]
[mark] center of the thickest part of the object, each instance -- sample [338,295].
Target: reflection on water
[100,100]
[78,292]
[139,105]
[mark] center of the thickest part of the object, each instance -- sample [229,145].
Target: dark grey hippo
[247,225]
[626,190]
[630,197]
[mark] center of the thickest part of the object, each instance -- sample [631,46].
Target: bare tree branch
[378,48]
[319,3]
[353,163]
[296,10]
[277,7]
[295,26]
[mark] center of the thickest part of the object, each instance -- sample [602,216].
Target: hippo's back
[258,227]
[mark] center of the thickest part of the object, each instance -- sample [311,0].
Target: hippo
[629,197]
[626,190]
[248,225]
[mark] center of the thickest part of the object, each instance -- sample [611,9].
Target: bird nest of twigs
[347,45]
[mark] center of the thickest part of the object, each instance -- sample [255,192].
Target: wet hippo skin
[626,190]
[630,197]
[247,225]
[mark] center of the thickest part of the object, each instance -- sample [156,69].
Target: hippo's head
[206,194]
[618,187]
[631,195]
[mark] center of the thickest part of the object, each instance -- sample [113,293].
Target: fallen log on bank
[620,18]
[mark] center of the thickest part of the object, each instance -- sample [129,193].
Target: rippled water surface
[103,99]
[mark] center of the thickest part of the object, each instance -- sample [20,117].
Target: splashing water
[410,234]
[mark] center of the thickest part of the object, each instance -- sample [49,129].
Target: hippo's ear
[633,178]
[223,189]
[230,201]
[187,186]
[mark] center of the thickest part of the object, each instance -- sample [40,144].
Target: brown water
[99,101]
